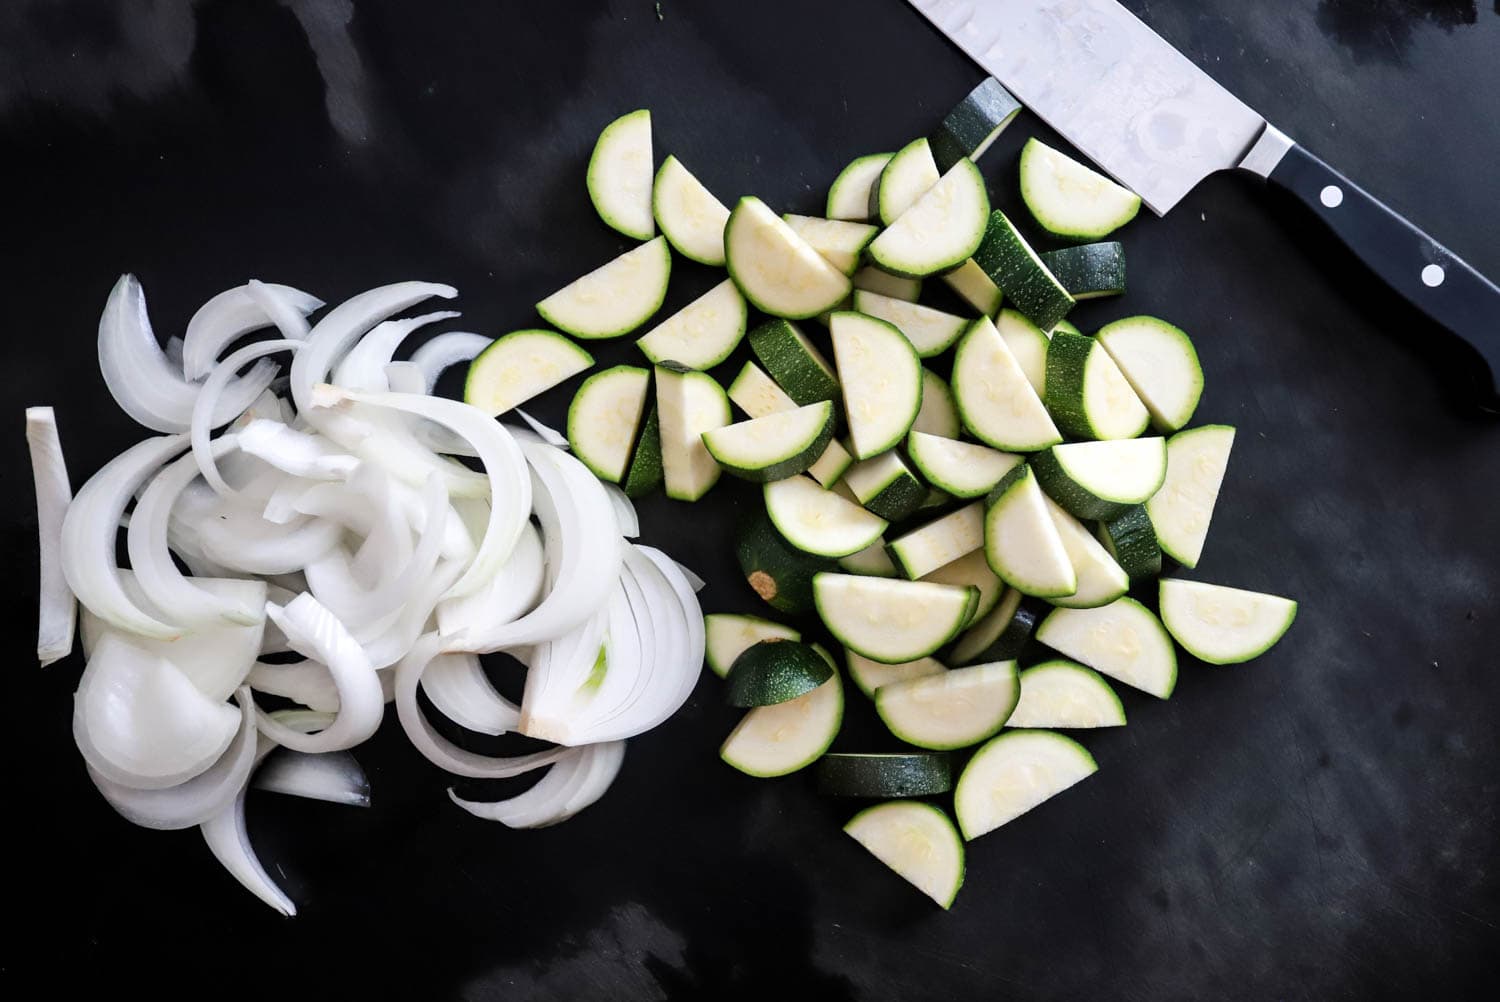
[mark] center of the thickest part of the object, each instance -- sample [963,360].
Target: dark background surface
[1321,824]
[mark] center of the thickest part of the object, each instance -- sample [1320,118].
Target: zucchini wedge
[890,620]
[689,215]
[605,416]
[775,268]
[615,298]
[619,175]
[1223,626]
[701,334]
[1012,774]
[1123,640]
[1068,199]
[520,365]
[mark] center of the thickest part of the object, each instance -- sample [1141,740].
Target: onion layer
[57,609]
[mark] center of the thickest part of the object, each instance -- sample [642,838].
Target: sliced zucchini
[872,560]
[975,287]
[939,414]
[973,124]
[918,842]
[994,397]
[605,416]
[1014,773]
[960,707]
[1184,506]
[871,675]
[972,569]
[931,332]
[1100,579]
[727,636]
[1223,626]
[839,241]
[690,403]
[832,465]
[779,740]
[904,179]
[1065,325]
[520,365]
[701,334]
[1064,694]
[999,635]
[1089,271]
[818,521]
[1012,265]
[903,774]
[689,215]
[1068,199]
[775,268]
[615,298]
[774,671]
[777,571]
[963,469]
[1161,365]
[1086,392]
[1021,540]
[1028,343]
[940,230]
[646,473]
[849,195]
[1123,640]
[1131,539]
[873,279]
[940,542]
[619,175]
[774,447]
[758,396]
[794,362]
[1102,480]
[885,486]
[880,378]
[890,620]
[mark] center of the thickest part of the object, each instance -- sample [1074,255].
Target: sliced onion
[572,784]
[173,351]
[238,536]
[404,377]
[57,609]
[229,841]
[228,317]
[459,688]
[334,777]
[267,407]
[296,452]
[559,674]
[446,350]
[88,536]
[281,308]
[307,682]
[546,433]
[512,592]
[696,583]
[363,368]
[208,399]
[386,650]
[391,442]
[141,379]
[630,522]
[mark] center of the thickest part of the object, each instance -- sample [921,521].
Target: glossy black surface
[1320,824]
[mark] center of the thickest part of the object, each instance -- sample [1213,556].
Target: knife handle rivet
[1332,196]
[1433,275]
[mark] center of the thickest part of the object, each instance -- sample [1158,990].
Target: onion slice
[334,777]
[307,682]
[625,514]
[231,315]
[575,782]
[512,592]
[295,452]
[404,377]
[460,690]
[447,350]
[57,609]
[281,308]
[208,399]
[546,433]
[229,841]
[363,368]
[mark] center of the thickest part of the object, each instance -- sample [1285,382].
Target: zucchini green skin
[776,570]
[903,774]
[897,498]
[775,671]
[883,283]
[1014,267]
[845,201]
[1071,496]
[646,473]
[798,462]
[781,351]
[1089,271]
[973,124]
[1067,364]
[1131,539]
[760,627]
[1000,634]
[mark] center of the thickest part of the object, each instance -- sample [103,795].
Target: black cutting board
[1319,824]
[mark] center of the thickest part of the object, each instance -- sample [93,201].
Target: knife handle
[1432,278]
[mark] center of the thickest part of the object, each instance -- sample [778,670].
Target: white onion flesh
[576,781]
[545,432]
[57,609]
[231,315]
[511,593]
[229,841]
[363,366]
[295,452]
[447,350]
[625,514]
[208,398]
[459,689]
[282,308]
[334,777]
[306,682]
[236,535]
[404,377]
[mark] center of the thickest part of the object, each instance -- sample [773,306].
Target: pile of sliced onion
[336,525]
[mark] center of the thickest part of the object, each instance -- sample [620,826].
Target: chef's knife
[1159,125]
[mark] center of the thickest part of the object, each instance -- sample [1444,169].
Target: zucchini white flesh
[605,416]
[688,404]
[1184,506]
[956,709]
[1161,365]
[890,620]
[619,175]
[615,298]
[776,269]
[689,215]
[1021,540]
[1062,694]
[918,842]
[972,570]
[757,395]
[1123,640]
[1068,199]
[1012,774]
[873,279]
[839,241]
[832,465]
[520,365]
[940,230]
[701,334]
[774,447]
[872,560]
[939,414]
[930,331]
[1015,267]
[1102,480]
[1100,579]
[871,675]
[997,636]
[1028,343]
[1089,271]
[973,124]
[849,195]
[727,636]
[995,399]
[818,521]
[778,740]
[905,178]
[940,542]
[880,377]
[1223,626]
[975,287]
[794,362]
[1086,392]
[963,469]
[885,486]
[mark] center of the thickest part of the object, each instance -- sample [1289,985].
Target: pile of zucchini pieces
[935,526]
